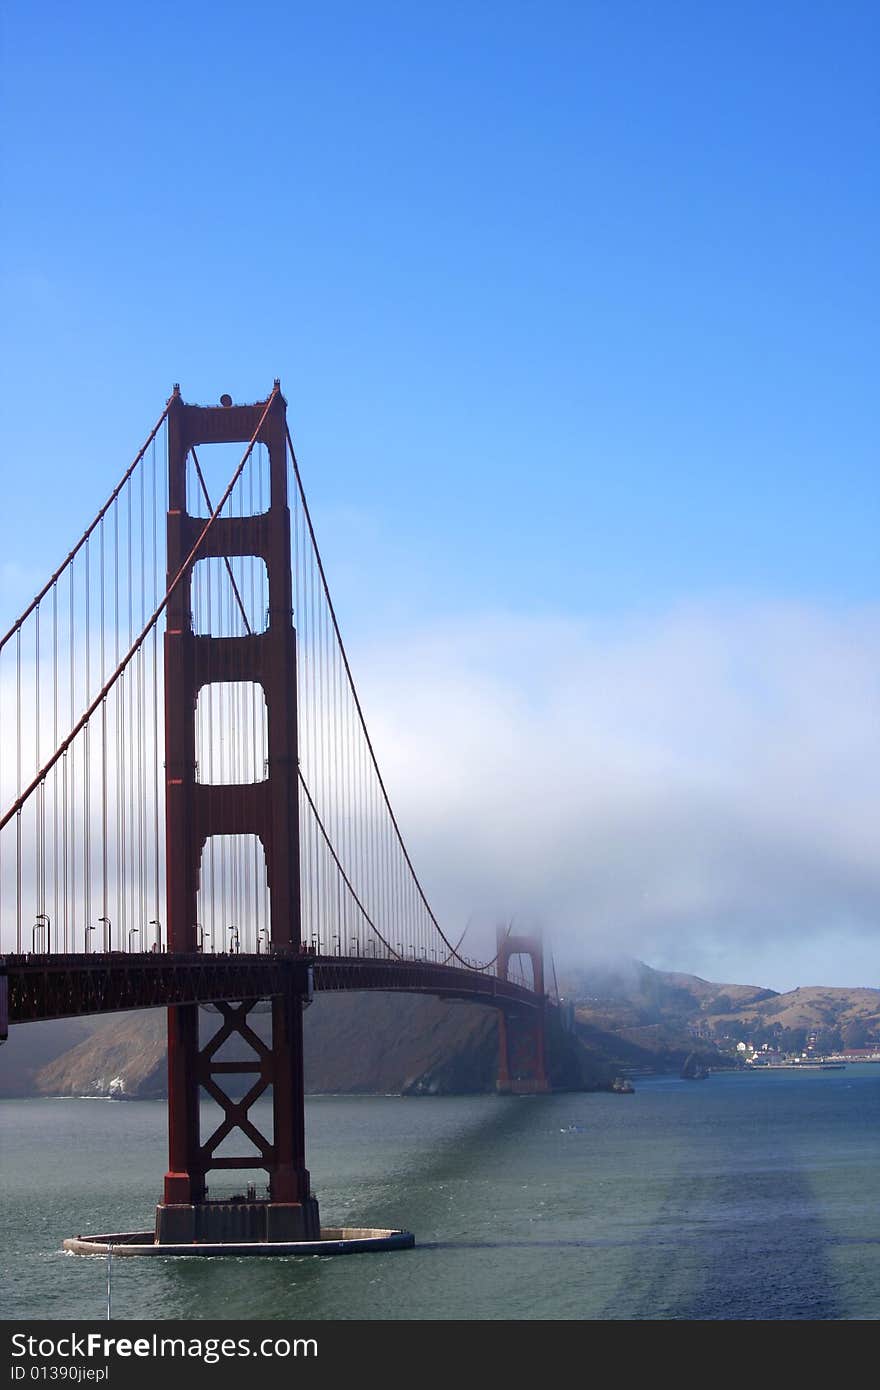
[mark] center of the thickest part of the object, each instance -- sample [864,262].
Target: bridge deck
[64,986]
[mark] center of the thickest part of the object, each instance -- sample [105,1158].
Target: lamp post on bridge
[86,932]
[158,925]
[133,931]
[108,936]
[234,941]
[42,923]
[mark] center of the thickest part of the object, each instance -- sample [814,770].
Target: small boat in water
[622,1087]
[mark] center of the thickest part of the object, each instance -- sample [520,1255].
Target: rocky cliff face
[32,1046]
[124,1057]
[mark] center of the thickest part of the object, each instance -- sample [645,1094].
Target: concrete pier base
[333,1240]
[244,1221]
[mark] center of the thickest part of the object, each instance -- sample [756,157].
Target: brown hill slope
[630,994]
[812,1006]
[32,1046]
[125,1056]
[627,1014]
[639,1016]
[354,1043]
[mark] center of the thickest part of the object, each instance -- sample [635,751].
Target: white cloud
[699,788]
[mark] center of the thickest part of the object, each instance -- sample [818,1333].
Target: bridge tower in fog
[197,810]
[522,1062]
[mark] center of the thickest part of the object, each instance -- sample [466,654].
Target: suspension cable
[138,642]
[345,878]
[453,951]
[85,535]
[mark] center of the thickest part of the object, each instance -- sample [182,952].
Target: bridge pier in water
[197,810]
[522,1059]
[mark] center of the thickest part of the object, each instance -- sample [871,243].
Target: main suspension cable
[87,533]
[138,642]
[453,951]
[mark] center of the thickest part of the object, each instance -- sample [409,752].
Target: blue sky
[574,305]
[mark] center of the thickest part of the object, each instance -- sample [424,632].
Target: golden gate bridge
[194,816]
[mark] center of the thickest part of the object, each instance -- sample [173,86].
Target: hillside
[625,1015]
[354,1043]
[632,993]
[835,1018]
[638,1016]
[32,1046]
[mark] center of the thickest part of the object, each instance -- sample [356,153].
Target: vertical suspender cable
[119,913]
[55,898]
[18,786]
[39,800]
[103,660]
[87,800]
[155,725]
[71,637]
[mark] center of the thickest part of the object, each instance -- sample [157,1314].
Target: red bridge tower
[196,811]
[522,1068]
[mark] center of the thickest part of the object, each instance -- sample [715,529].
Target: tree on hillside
[829,1039]
[856,1034]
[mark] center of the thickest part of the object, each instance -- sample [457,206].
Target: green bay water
[742,1196]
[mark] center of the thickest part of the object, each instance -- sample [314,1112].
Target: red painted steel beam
[44,987]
